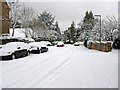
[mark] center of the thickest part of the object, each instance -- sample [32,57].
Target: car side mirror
[18,48]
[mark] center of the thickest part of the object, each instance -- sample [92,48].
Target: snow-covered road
[62,67]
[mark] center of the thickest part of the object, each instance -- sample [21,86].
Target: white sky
[66,11]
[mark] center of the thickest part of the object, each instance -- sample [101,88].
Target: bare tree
[14,14]
[108,27]
[27,20]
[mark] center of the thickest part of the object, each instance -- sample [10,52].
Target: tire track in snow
[30,74]
[7,71]
[38,71]
[50,75]
[23,62]
[108,78]
[46,61]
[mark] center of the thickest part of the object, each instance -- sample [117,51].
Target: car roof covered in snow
[14,45]
[76,43]
[38,44]
[60,43]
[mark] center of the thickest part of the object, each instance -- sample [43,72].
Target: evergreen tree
[57,29]
[88,23]
[77,33]
[67,35]
[47,19]
[71,33]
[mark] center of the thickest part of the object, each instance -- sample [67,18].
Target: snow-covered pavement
[62,67]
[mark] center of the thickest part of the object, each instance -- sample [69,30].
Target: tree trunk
[13,32]
[13,29]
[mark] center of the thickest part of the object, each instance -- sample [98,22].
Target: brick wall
[4,18]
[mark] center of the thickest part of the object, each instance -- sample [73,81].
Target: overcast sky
[66,12]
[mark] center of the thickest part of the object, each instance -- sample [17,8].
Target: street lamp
[100,25]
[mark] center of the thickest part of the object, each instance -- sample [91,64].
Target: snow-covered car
[55,42]
[43,48]
[25,40]
[81,43]
[47,43]
[76,44]
[35,47]
[14,50]
[60,44]
[38,47]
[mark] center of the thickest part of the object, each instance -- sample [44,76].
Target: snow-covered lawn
[62,67]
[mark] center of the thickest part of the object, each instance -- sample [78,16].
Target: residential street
[62,67]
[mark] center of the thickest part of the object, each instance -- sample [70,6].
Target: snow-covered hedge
[6,39]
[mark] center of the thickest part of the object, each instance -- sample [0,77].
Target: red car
[60,44]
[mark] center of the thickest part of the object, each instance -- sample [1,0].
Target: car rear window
[43,47]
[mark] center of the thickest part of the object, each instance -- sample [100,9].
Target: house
[4,17]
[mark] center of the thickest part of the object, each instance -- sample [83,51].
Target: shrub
[116,43]
[85,42]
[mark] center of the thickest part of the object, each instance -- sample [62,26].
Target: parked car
[81,43]
[38,47]
[35,47]
[48,43]
[55,42]
[43,45]
[116,43]
[76,44]
[60,44]
[14,50]
[43,49]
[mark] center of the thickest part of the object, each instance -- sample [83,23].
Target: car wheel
[13,56]
[28,53]
[40,51]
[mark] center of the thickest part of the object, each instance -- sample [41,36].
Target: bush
[85,42]
[4,41]
[116,44]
